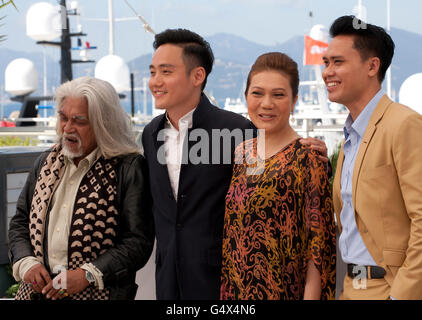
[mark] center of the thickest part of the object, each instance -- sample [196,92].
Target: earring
[292,118]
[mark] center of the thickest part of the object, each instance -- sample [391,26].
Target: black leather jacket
[135,235]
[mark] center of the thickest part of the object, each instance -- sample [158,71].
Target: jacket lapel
[366,139]
[200,120]
[338,203]
[161,171]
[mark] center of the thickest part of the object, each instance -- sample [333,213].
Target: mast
[111,27]
[66,56]
[360,11]
[65,44]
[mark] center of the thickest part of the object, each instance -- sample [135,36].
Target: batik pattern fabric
[279,216]
[94,223]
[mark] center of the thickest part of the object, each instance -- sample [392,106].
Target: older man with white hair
[83,224]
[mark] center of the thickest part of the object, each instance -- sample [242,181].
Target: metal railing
[45,128]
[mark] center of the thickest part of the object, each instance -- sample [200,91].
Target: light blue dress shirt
[352,247]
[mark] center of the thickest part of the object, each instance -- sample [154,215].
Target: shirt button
[54,256]
[71,182]
[65,206]
[58,229]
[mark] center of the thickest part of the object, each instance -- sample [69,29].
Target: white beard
[66,150]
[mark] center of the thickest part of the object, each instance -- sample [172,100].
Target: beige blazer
[387,195]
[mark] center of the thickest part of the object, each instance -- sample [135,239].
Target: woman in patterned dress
[279,232]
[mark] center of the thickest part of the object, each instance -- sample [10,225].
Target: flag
[314,50]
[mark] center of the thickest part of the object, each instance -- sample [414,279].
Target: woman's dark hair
[369,40]
[196,51]
[276,61]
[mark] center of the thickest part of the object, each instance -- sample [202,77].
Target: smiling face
[346,76]
[77,138]
[270,101]
[173,88]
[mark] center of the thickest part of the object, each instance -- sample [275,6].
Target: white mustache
[74,136]
[70,153]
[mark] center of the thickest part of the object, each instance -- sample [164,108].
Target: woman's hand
[317,145]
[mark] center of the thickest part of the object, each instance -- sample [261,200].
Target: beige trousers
[371,289]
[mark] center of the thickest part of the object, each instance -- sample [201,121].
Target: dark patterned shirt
[279,216]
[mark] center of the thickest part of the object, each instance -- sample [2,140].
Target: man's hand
[75,283]
[38,277]
[317,145]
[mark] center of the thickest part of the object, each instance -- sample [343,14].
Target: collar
[184,122]
[361,122]
[200,115]
[89,160]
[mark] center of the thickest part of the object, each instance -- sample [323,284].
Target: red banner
[7,124]
[314,50]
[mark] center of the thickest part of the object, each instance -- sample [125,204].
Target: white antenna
[111,22]
[360,11]
[147,27]
[110,27]
[45,73]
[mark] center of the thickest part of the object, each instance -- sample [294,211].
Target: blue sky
[262,21]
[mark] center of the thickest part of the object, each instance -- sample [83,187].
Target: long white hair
[109,121]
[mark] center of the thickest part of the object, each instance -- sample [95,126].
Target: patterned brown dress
[275,222]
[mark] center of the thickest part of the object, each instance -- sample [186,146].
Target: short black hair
[197,51]
[369,40]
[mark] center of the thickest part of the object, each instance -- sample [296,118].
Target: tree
[2,5]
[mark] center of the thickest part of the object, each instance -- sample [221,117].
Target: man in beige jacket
[378,182]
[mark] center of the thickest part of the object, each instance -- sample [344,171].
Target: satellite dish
[319,32]
[74,5]
[114,69]
[410,93]
[43,22]
[21,77]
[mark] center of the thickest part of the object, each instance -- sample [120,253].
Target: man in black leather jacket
[83,224]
